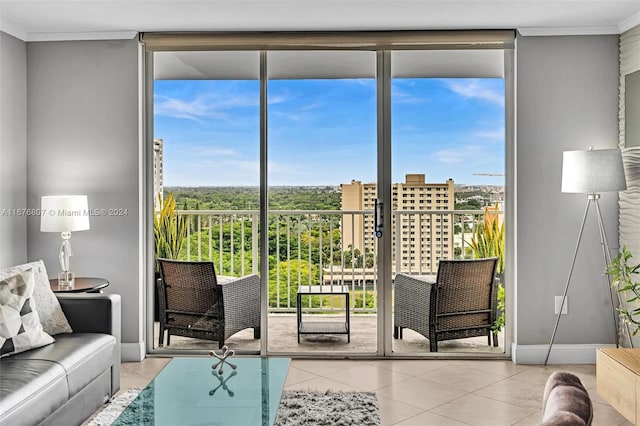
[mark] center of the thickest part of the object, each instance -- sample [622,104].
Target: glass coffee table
[189,392]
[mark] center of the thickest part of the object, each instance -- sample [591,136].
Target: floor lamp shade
[593,171]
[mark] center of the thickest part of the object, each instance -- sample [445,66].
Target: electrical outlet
[565,308]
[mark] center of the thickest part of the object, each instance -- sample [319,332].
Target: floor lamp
[591,172]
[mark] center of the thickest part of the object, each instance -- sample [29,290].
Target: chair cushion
[84,356]
[566,401]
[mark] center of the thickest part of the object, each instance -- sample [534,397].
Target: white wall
[567,99]
[83,137]
[13,150]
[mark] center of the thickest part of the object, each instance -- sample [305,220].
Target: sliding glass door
[329,172]
[321,181]
[448,186]
[206,181]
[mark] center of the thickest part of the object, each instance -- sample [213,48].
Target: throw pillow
[51,316]
[20,328]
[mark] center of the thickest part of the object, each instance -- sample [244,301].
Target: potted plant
[169,230]
[488,241]
[169,233]
[624,276]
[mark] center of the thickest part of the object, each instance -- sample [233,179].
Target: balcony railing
[327,247]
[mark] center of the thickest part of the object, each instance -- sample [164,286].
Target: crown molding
[629,23]
[13,29]
[566,31]
[87,36]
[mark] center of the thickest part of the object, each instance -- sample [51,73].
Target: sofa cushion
[30,390]
[20,327]
[84,356]
[52,318]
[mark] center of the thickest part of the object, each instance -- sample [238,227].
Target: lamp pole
[606,255]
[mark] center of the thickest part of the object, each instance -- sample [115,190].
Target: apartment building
[421,234]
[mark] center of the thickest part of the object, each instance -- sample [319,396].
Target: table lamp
[64,214]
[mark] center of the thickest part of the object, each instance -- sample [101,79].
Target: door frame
[503,40]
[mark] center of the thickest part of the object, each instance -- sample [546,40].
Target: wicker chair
[460,303]
[194,302]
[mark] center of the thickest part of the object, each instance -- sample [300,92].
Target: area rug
[297,408]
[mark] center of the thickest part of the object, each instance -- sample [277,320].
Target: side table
[618,380]
[82,285]
[323,327]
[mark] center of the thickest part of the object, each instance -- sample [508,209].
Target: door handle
[378,218]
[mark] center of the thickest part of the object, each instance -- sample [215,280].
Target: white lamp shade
[64,213]
[591,171]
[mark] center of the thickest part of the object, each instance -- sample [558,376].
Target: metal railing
[326,247]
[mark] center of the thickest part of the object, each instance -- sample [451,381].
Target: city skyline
[443,128]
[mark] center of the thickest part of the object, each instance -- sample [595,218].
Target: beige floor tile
[523,389]
[392,412]
[430,419]
[322,367]
[605,415]
[367,376]
[409,366]
[532,420]
[420,393]
[297,375]
[149,367]
[323,384]
[480,411]
[462,377]
[132,380]
[505,368]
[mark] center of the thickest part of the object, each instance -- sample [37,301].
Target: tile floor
[429,392]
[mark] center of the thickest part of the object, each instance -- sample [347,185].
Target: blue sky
[323,132]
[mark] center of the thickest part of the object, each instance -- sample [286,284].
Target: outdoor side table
[323,327]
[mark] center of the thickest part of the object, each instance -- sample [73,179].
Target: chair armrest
[244,290]
[241,298]
[413,295]
[96,313]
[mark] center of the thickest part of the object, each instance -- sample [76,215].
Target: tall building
[157,172]
[423,237]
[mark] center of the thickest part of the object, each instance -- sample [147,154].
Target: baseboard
[560,353]
[132,352]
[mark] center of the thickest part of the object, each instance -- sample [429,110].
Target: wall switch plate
[565,308]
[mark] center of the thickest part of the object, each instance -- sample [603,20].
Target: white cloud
[401,96]
[475,89]
[172,107]
[472,155]
[489,134]
[203,105]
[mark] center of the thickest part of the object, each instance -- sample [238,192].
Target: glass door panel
[321,183]
[448,156]
[206,161]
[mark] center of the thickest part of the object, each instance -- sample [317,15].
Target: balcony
[328,248]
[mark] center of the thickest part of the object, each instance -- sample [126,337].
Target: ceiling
[38,20]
